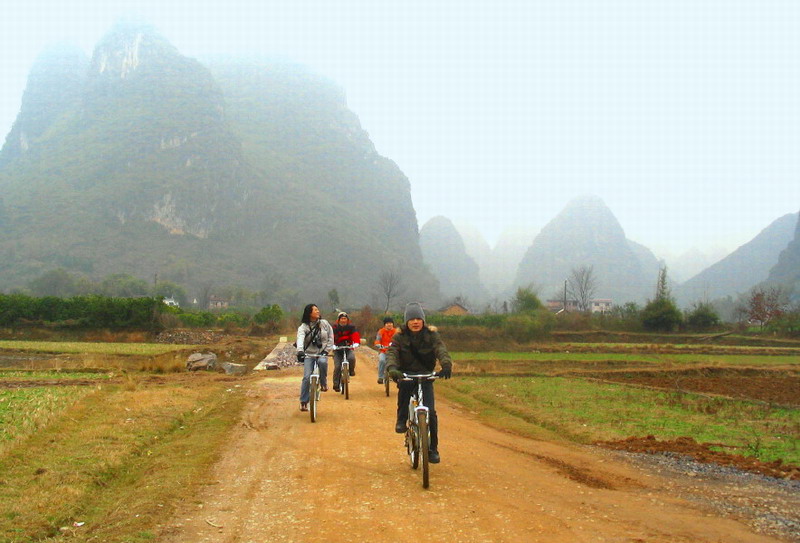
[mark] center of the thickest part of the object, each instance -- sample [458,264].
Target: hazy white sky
[682,115]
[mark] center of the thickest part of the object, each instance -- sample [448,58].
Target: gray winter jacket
[325,338]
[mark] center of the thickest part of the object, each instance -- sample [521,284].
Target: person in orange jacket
[382,341]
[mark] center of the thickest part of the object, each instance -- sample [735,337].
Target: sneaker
[380,381]
[433,457]
[353,373]
[323,388]
[335,388]
[303,406]
[400,427]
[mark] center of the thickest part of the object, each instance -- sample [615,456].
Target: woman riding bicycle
[415,348]
[314,340]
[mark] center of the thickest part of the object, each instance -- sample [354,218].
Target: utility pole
[565,295]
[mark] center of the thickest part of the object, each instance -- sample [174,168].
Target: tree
[702,317]
[765,304]
[391,286]
[525,301]
[333,298]
[54,283]
[582,286]
[168,289]
[661,314]
[124,285]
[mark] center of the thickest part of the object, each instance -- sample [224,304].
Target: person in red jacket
[382,341]
[344,333]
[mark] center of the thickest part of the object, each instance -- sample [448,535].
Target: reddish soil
[702,452]
[772,386]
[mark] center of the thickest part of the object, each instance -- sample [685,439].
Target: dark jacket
[417,352]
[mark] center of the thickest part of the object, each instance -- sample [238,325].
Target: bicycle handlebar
[343,347]
[420,376]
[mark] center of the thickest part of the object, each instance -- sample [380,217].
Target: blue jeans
[404,391]
[382,366]
[308,367]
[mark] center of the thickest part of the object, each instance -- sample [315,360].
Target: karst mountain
[143,161]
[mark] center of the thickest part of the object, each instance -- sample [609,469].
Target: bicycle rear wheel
[313,396]
[424,443]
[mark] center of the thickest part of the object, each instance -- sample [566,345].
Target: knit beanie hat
[413,311]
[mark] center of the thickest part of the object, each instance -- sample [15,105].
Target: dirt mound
[703,452]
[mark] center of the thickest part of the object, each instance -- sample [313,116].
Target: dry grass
[118,457]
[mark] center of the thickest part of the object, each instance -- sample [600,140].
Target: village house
[216,302]
[454,309]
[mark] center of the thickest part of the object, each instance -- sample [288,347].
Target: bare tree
[391,285]
[582,286]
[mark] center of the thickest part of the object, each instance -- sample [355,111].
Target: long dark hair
[306,319]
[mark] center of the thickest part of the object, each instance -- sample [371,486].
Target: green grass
[25,411]
[633,358]
[587,411]
[144,349]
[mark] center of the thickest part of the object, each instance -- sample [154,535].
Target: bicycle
[344,379]
[386,379]
[314,387]
[417,437]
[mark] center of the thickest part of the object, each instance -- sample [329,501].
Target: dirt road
[347,478]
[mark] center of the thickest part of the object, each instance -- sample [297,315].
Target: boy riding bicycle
[382,340]
[415,348]
[344,334]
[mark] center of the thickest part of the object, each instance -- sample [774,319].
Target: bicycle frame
[418,432]
[314,392]
[344,379]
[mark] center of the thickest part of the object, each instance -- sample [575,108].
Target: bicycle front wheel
[313,396]
[386,384]
[424,443]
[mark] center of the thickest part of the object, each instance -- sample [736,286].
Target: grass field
[116,457]
[75,347]
[572,396]
[120,449]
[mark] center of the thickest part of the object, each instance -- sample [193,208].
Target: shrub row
[82,311]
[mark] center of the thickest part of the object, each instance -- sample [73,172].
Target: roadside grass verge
[116,457]
[585,411]
[86,347]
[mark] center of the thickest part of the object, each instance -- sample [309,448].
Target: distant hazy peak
[126,47]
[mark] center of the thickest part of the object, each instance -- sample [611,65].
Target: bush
[529,327]
[271,314]
[702,317]
[203,319]
[661,315]
[92,311]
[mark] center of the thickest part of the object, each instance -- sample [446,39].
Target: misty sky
[682,115]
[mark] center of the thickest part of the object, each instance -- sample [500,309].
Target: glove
[395,375]
[445,373]
[356,345]
[301,356]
